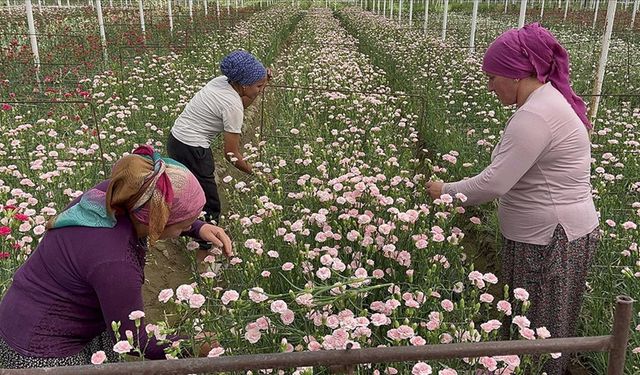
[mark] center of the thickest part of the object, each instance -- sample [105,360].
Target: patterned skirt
[555,276]
[9,358]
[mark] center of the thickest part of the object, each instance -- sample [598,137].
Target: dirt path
[168,264]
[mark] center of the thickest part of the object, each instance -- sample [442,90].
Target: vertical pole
[566,8]
[191,10]
[206,7]
[633,13]
[621,322]
[445,15]
[32,38]
[103,37]
[400,12]
[170,12]
[595,14]
[384,8]
[474,21]
[410,13]
[426,15]
[506,3]
[541,9]
[523,13]
[218,8]
[391,11]
[602,64]
[141,10]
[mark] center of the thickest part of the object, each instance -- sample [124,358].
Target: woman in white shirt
[217,108]
[540,172]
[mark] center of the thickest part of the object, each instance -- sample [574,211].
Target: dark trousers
[199,160]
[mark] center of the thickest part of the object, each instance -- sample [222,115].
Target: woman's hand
[435,188]
[217,237]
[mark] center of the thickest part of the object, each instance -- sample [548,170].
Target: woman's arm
[522,144]
[233,154]
[118,286]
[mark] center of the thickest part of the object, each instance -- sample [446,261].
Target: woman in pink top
[540,172]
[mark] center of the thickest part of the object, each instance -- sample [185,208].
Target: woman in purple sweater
[88,270]
[540,171]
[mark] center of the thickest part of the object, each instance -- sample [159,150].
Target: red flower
[4,230]
[21,217]
[4,255]
[6,107]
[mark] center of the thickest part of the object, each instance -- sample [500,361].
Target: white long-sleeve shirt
[540,171]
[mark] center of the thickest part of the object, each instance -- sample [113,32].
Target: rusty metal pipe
[336,357]
[620,335]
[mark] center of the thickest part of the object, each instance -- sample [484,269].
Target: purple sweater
[73,286]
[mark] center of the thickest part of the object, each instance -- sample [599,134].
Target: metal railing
[344,361]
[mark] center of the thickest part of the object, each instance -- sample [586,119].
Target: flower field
[337,243]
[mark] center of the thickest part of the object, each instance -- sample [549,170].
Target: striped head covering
[157,191]
[534,51]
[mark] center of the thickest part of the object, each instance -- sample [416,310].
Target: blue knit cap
[242,67]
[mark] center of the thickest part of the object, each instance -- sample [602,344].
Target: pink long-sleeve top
[540,171]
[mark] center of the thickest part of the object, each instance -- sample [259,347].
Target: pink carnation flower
[253,336]
[521,294]
[504,307]
[447,305]
[421,368]
[279,306]
[135,315]
[229,296]
[216,352]
[165,295]
[196,301]
[122,347]
[98,357]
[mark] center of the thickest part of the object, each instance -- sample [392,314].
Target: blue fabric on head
[90,211]
[242,67]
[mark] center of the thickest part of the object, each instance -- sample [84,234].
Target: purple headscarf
[533,50]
